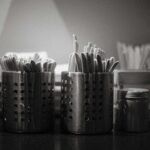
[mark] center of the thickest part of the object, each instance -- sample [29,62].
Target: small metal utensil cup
[27,101]
[87,102]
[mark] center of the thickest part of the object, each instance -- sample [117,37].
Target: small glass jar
[132,113]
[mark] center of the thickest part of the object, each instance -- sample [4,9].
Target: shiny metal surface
[87,102]
[27,101]
[136,116]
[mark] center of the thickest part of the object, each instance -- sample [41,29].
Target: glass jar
[132,110]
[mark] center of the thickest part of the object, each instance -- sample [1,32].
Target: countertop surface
[63,141]
[59,141]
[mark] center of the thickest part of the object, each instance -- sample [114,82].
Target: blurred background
[47,25]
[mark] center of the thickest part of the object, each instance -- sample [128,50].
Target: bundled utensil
[134,57]
[12,62]
[91,60]
[87,91]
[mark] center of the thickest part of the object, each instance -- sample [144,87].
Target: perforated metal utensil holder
[87,103]
[27,101]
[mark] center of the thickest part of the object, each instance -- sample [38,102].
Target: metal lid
[134,93]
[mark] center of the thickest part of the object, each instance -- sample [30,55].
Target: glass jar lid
[134,93]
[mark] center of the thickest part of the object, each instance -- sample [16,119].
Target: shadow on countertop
[62,141]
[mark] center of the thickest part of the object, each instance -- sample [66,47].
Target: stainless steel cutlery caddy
[87,102]
[27,101]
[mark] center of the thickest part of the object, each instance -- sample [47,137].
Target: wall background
[34,25]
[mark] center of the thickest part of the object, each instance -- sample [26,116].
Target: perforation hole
[30,91]
[65,102]
[94,111]
[100,103]
[93,118]
[4,83]
[93,96]
[70,117]
[50,97]
[15,112]
[86,96]
[86,110]
[49,83]
[44,98]
[15,119]
[44,91]
[49,91]
[15,105]
[44,84]
[43,104]
[22,113]
[22,98]
[16,84]
[101,82]
[22,119]
[94,82]
[101,88]
[101,96]
[22,84]
[100,117]
[30,85]
[30,98]
[87,88]
[70,110]
[94,103]
[28,109]
[15,91]
[50,103]
[86,82]
[70,102]
[100,110]
[87,118]
[86,103]
[94,88]
[15,98]
[29,120]
[22,91]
